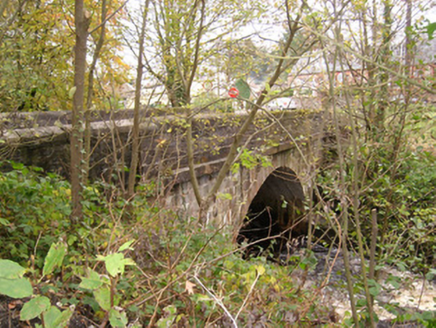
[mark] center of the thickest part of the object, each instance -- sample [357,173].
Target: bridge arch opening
[276,213]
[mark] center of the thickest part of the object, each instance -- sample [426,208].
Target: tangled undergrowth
[402,193]
[135,264]
[132,264]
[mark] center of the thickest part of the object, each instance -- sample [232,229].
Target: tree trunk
[76,140]
[408,45]
[383,99]
[135,129]
[87,136]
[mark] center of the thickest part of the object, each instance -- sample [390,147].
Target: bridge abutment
[278,188]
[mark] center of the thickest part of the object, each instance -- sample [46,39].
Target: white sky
[267,32]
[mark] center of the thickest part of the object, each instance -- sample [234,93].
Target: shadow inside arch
[275,215]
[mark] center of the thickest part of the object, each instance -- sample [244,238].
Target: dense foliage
[403,194]
[36,55]
[176,278]
[128,262]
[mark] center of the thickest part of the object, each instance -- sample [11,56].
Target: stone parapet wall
[289,139]
[42,139]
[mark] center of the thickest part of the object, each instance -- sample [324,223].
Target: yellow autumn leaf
[260,270]
[189,287]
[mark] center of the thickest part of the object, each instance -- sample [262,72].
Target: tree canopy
[36,54]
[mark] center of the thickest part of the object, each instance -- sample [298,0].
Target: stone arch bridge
[268,182]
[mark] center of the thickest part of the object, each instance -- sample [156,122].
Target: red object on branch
[233,92]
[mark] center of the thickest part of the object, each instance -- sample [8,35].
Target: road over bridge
[268,182]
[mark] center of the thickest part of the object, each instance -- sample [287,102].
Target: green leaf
[4,222]
[169,317]
[72,92]
[117,319]
[34,308]
[128,261]
[394,281]
[126,245]
[54,258]
[431,274]
[92,282]
[16,288]
[401,266]
[430,30]
[103,297]
[10,269]
[428,316]
[243,88]
[374,287]
[51,316]
[225,195]
[361,302]
[309,261]
[54,318]
[114,264]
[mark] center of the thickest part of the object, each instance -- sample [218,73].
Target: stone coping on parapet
[31,127]
[21,120]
